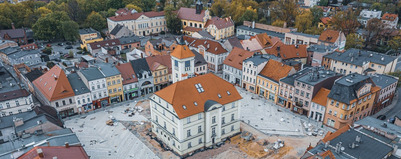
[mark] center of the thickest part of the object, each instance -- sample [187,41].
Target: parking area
[109,142]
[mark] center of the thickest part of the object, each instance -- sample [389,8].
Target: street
[393,109]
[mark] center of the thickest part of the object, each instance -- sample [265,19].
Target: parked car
[381,117]
[391,120]
[68,47]
[68,43]
[60,44]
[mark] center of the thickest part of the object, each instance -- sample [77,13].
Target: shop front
[99,103]
[131,94]
[115,99]
[66,112]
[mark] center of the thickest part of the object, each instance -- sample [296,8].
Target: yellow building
[88,36]
[161,70]
[220,28]
[193,20]
[268,79]
[114,82]
[350,99]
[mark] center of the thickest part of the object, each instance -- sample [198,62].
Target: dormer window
[228,93]
[196,104]
[219,95]
[184,107]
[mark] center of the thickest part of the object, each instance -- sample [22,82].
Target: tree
[303,21]
[218,8]
[354,41]
[5,23]
[174,24]
[148,5]
[263,20]
[74,11]
[131,6]
[285,10]
[95,21]
[374,27]
[70,30]
[378,6]
[279,23]
[249,15]
[114,4]
[49,27]
[317,13]
[345,21]
[314,30]
[395,43]
[323,2]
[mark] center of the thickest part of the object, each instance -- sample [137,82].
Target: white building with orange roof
[195,113]
[183,61]
[390,20]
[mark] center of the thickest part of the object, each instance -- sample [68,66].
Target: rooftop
[211,46]
[190,14]
[13,33]
[199,59]
[205,34]
[316,48]
[127,73]
[61,152]
[257,59]
[283,51]
[329,36]
[141,66]
[129,39]
[360,57]
[303,34]
[258,31]
[317,75]
[92,73]
[77,84]
[321,97]
[275,70]
[220,23]
[236,57]
[383,80]
[7,81]
[107,69]
[155,61]
[378,124]
[135,16]
[291,78]
[182,52]
[87,31]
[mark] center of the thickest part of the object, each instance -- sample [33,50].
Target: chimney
[253,24]
[18,122]
[285,25]
[142,55]
[107,60]
[40,153]
[67,145]
[327,144]
[48,143]
[12,26]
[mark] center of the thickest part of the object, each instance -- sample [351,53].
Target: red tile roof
[287,51]
[321,97]
[325,20]
[54,84]
[127,73]
[389,17]
[31,46]
[236,56]
[182,52]
[184,93]
[135,16]
[332,135]
[13,94]
[220,23]
[156,61]
[192,29]
[275,70]
[108,43]
[211,46]
[190,14]
[257,42]
[60,152]
[329,36]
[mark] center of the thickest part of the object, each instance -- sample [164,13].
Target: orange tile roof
[182,52]
[211,46]
[389,17]
[275,70]
[332,135]
[236,56]
[325,20]
[190,14]
[54,84]
[329,36]
[220,23]
[192,29]
[321,97]
[185,93]
[60,151]
[156,61]
[287,51]
[127,73]
[264,40]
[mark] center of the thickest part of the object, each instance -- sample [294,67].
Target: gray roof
[7,81]
[10,50]
[116,29]
[383,80]
[22,53]
[234,42]
[77,84]
[316,76]
[32,122]
[108,69]
[88,31]
[139,66]
[360,57]
[33,75]
[167,41]
[7,121]
[305,35]
[291,78]
[316,48]
[344,89]
[205,34]
[369,148]
[257,59]
[92,73]
[258,31]
[13,33]
[129,39]
[199,59]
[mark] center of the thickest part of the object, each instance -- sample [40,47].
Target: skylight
[183,106]
[199,88]
[196,104]
[219,95]
[228,93]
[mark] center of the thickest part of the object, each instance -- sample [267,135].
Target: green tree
[74,11]
[323,2]
[174,24]
[116,4]
[148,5]
[395,43]
[131,6]
[49,27]
[279,23]
[317,13]
[285,10]
[373,27]
[70,30]
[95,21]
[378,6]
[5,23]
[314,30]
[263,20]
[303,21]
[249,15]
[345,21]
[354,41]
[218,8]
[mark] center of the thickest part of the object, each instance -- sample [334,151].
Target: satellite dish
[342,148]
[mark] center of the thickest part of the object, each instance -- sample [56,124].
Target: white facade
[249,73]
[83,100]
[15,106]
[215,61]
[197,131]
[232,75]
[317,112]
[182,68]
[141,26]
[366,15]
[98,88]
[390,24]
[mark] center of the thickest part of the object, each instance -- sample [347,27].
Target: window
[63,102]
[199,116]
[189,133]
[164,125]
[213,119]
[232,127]
[223,131]
[335,113]
[79,102]
[70,101]
[224,108]
[57,104]
[173,131]
[199,129]
[189,145]
[8,105]
[172,119]
[233,105]
[232,117]
[223,120]
[188,120]
[213,131]
[200,140]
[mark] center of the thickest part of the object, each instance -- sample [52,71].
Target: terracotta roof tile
[54,84]
[190,14]
[332,135]
[134,16]
[156,61]
[276,70]
[182,52]
[325,20]
[211,46]
[127,73]
[329,36]
[220,23]
[184,93]
[108,43]
[321,97]
[389,17]
[192,29]
[236,56]
[60,151]
[257,42]
[287,51]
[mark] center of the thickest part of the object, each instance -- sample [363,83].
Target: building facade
[129,80]
[193,19]
[390,20]
[114,82]
[144,75]
[365,15]
[161,70]
[220,28]
[318,105]
[183,60]
[251,67]
[292,38]
[82,97]
[388,87]
[141,24]
[96,82]
[232,70]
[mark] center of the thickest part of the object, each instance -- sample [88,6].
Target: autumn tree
[132,6]
[148,5]
[317,13]
[354,41]
[249,15]
[218,7]
[174,24]
[373,27]
[95,21]
[285,10]
[70,30]
[395,43]
[345,21]
[278,23]
[303,21]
